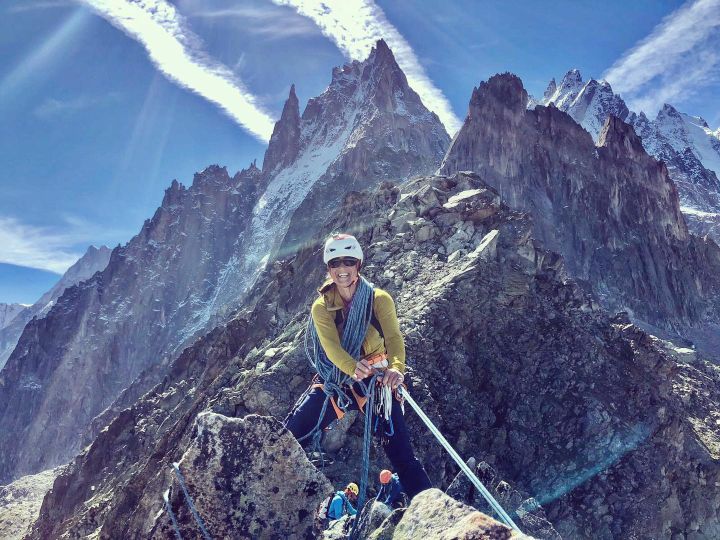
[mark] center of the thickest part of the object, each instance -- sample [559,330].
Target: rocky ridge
[611,210]
[686,144]
[94,260]
[102,333]
[507,355]
[8,312]
[191,265]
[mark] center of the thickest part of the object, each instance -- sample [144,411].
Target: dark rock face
[94,260]
[684,143]
[525,511]
[101,334]
[513,362]
[611,210]
[248,478]
[285,141]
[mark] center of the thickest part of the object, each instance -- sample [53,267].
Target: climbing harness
[191,505]
[463,466]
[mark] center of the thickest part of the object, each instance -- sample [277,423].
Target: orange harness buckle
[379,360]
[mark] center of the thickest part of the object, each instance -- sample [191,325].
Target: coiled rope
[358,319]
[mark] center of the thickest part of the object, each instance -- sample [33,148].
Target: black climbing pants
[398,449]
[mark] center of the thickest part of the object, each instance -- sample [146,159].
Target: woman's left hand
[392,378]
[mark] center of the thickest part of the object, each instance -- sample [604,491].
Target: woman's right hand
[362,370]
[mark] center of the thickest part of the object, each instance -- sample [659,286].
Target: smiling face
[344,276]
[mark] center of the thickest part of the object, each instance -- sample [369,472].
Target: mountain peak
[621,137]
[572,78]
[173,194]
[668,110]
[550,90]
[210,175]
[588,103]
[251,171]
[381,52]
[507,88]
[284,143]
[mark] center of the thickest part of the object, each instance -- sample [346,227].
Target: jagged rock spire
[620,137]
[285,141]
[550,90]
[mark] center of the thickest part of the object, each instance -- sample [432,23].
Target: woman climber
[353,327]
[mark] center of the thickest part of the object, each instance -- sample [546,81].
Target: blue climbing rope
[365,467]
[502,514]
[189,500]
[171,514]
[358,319]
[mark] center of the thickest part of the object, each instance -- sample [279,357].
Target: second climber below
[347,297]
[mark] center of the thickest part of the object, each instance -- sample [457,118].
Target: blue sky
[95,127]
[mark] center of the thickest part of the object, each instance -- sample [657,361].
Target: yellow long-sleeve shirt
[323,313]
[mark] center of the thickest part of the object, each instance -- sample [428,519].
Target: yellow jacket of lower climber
[324,311]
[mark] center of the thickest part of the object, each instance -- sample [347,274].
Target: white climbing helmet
[342,245]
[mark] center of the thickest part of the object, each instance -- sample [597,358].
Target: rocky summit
[611,432]
[611,210]
[368,126]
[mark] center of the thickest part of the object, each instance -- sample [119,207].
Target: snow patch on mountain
[687,145]
[589,103]
[703,141]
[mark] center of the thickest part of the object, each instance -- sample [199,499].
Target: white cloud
[53,248]
[39,247]
[179,54]
[53,107]
[355,26]
[679,56]
[32,6]
[268,22]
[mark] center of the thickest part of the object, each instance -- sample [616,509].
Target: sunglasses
[342,261]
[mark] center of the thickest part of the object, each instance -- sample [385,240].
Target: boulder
[432,514]
[248,478]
